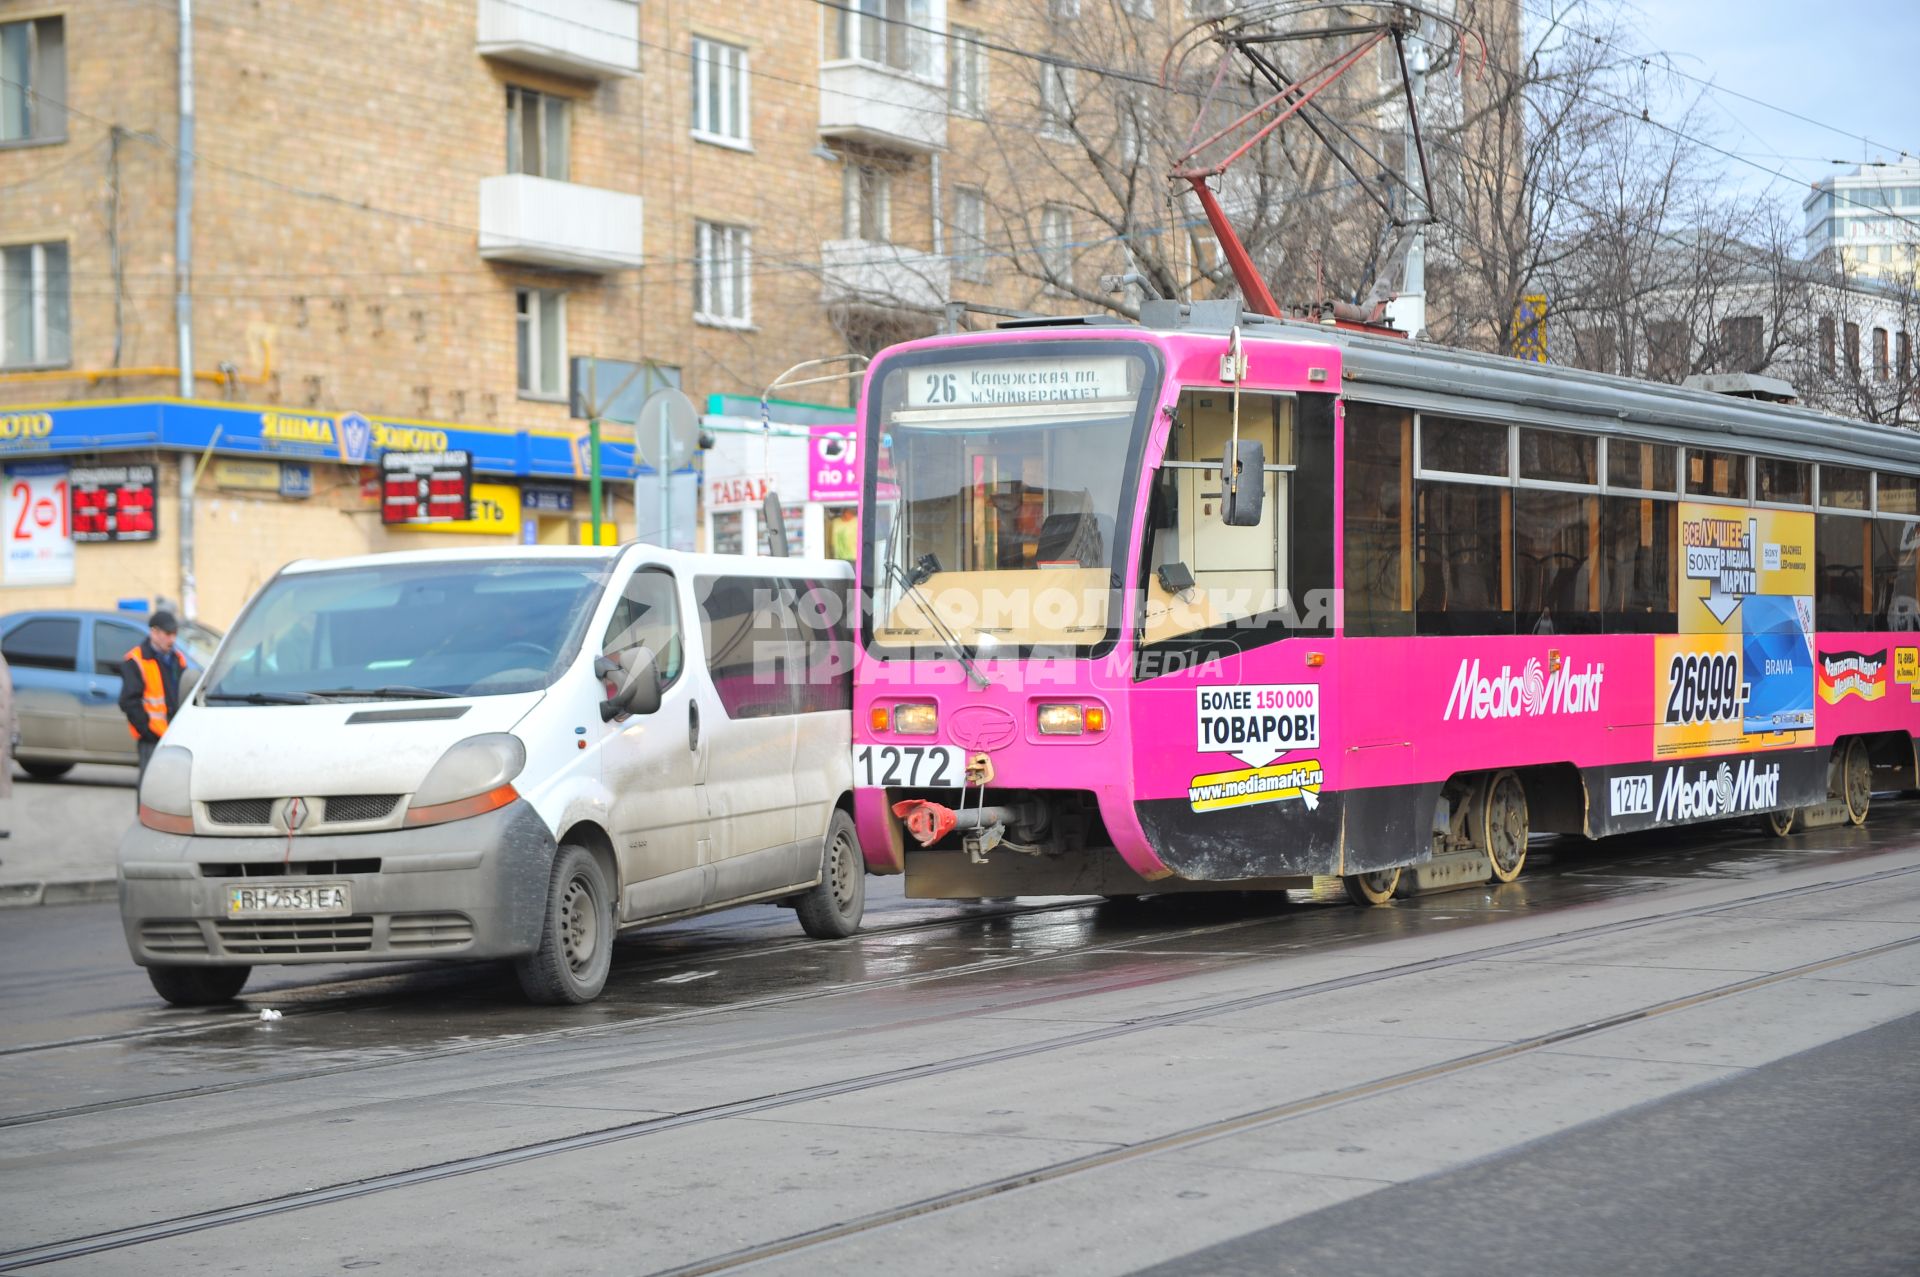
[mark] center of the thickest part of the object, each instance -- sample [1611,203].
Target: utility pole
[183,295]
[1408,310]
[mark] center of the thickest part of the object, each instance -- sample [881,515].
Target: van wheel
[576,943]
[198,986]
[832,908]
[45,771]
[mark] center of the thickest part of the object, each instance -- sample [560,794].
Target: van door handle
[693,726]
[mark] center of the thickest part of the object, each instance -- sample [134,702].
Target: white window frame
[43,109]
[1135,8]
[728,61]
[853,202]
[527,330]
[919,41]
[723,254]
[966,73]
[969,242]
[545,104]
[1056,250]
[1057,91]
[39,353]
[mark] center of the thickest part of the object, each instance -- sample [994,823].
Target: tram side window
[1637,550]
[1841,584]
[1555,590]
[1378,532]
[1896,563]
[1462,536]
[1716,474]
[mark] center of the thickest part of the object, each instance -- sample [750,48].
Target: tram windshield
[1001,484]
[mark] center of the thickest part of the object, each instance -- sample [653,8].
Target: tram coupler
[978,842]
[925,819]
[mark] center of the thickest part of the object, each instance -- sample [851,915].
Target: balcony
[541,222]
[858,272]
[883,107]
[589,39]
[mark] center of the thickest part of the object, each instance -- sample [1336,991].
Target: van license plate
[307,899]
[909,766]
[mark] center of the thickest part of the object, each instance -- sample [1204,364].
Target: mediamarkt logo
[1718,793]
[1529,694]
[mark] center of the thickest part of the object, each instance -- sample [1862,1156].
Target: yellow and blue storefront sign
[347,438]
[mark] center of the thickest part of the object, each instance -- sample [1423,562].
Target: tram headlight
[1071,720]
[916,719]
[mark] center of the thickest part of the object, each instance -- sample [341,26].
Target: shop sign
[247,476]
[737,493]
[496,512]
[833,466]
[547,500]
[38,524]
[296,480]
[25,431]
[115,503]
[427,487]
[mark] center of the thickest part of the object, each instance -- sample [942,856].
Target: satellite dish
[670,408]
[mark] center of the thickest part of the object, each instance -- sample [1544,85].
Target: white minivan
[499,754]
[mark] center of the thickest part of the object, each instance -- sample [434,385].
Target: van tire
[576,935]
[832,908]
[45,771]
[198,986]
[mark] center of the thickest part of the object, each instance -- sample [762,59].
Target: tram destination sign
[1018,381]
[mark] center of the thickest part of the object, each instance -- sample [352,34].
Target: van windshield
[412,630]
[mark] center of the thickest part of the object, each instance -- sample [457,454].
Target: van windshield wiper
[393,691]
[263,698]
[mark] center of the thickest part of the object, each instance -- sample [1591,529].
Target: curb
[58,891]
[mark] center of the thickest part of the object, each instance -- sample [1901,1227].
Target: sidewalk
[65,836]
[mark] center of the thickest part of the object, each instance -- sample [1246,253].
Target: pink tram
[1222,601]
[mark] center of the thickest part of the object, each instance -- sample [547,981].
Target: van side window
[648,615]
[756,650]
[825,625]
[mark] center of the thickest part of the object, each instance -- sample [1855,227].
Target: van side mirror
[1243,483]
[637,686]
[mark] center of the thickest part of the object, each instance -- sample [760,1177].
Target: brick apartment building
[411,222]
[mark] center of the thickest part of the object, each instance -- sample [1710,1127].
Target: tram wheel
[1503,831]
[1372,889]
[1780,823]
[1855,781]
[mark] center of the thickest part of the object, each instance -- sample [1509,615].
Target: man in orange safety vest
[150,685]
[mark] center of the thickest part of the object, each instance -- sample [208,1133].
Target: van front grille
[173,935]
[295,869]
[415,932]
[350,807]
[270,937]
[241,811]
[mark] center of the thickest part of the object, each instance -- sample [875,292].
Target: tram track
[203,1221]
[462,974]
[609,1027]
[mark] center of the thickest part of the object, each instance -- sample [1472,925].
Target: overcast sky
[1843,63]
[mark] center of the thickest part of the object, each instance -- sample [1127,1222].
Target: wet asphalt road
[923,1085]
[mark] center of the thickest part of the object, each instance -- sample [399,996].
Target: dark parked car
[66,683]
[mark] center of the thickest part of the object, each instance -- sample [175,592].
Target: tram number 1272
[910,766]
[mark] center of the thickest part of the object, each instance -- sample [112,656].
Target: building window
[33,80]
[1903,355]
[719,92]
[1136,8]
[1669,350]
[722,286]
[1827,341]
[969,231]
[1741,340]
[1127,139]
[35,322]
[1852,351]
[891,33]
[966,73]
[1063,10]
[1056,100]
[537,133]
[541,349]
[1882,368]
[867,203]
[1056,244]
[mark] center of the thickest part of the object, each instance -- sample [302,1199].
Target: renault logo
[295,814]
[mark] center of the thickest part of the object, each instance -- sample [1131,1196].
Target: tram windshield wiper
[926,568]
[393,691]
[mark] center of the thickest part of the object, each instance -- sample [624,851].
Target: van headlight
[472,778]
[166,797]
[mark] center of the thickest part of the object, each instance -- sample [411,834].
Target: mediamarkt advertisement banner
[1740,673]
